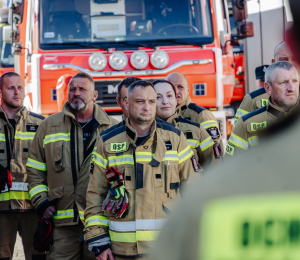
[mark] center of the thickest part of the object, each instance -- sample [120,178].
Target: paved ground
[18,251]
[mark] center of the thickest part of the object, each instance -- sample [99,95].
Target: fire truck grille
[107,93]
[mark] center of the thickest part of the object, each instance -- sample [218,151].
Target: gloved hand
[43,236]
[114,177]
[5,178]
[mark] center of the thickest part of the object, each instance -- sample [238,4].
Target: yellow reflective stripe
[81,214]
[2,137]
[133,237]
[98,159]
[208,124]
[24,135]
[193,143]
[185,154]
[170,156]
[121,159]
[238,141]
[37,189]
[253,140]
[208,142]
[61,214]
[240,113]
[96,220]
[36,165]
[14,195]
[56,137]
[143,156]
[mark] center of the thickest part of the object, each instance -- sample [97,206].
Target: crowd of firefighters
[81,185]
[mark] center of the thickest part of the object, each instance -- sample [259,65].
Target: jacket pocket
[58,163]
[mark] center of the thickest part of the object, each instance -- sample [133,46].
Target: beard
[286,105]
[78,106]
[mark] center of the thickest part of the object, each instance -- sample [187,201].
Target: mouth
[165,107]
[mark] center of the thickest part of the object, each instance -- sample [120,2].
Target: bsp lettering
[258,126]
[117,147]
[229,149]
[264,102]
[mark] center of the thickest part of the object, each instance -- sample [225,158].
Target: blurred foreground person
[198,139]
[248,207]
[260,76]
[17,129]
[195,113]
[58,166]
[137,172]
[282,85]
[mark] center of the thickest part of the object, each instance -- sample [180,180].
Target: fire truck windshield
[6,58]
[117,23]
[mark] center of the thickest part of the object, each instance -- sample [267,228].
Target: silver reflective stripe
[27,135]
[116,160]
[36,190]
[171,155]
[63,214]
[240,113]
[239,142]
[209,141]
[96,220]
[55,137]
[253,141]
[141,224]
[36,165]
[194,144]
[143,156]
[185,154]
[17,186]
[98,159]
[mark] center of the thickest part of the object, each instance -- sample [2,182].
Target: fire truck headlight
[97,61]
[139,59]
[118,60]
[159,59]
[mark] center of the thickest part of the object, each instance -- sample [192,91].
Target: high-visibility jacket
[18,142]
[198,139]
[205,118]
[245,133]
[154,173]
[58,166]
[252,101]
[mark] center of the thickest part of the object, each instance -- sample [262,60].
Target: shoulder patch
[257,92]
[196,108]
[111,128]
[186,121]
[254,113]
[168,127]
[113,133]
[36,115]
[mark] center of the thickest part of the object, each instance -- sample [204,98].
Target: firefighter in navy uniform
[138,171]
[198,139]
[17,129]
[195,113]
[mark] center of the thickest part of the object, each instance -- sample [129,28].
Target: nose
[165,101]
[291,86]
[77,93]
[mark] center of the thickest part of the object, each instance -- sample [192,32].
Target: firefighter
[198,139]
[17,129]
[137,172]
[247,208]
[259,98]
[58,165]
[195,113]
[121,96]
[260,76]
[282,85]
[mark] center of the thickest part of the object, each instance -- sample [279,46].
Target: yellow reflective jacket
[246,131]
[205,118]
[198,139]
[19,142]
[252,101]
[58,166]
[154,174]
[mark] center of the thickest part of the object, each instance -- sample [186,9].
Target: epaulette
[196,108]
[36,115]
[254,113]
[186,121]
[113,133]
[111,128]
[257,92]
[168,127]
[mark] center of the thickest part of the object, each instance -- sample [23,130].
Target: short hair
[164,81]
[269,73]
[277,46]
[140,83]
[126,83]
[8,75]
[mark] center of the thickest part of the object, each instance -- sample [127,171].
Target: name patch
[264,102]
[258,126]
[116,147]
[31,128]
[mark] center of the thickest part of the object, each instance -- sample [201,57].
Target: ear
[268,88]
[189,89]
[273,60]
[118,102]
[0,93]
[126,103]
[95,96]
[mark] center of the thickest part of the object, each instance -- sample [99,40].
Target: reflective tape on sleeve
[238,141]
[208,142]
[37,189]
[17,186]
[98,159]
[36,165]
[185,154]
[209,123]
[14,195]
[24,135]
[96,221]
[56,137]
[62,214]
[133,237]
[81,215]
[193,143]
[2,137]
[253,140]
[241,113]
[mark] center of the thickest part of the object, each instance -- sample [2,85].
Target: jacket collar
[185,105]
[277,111]
[22,112]
[99,114]
[124,118]
[173,119]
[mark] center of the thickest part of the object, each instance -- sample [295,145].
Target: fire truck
[114,39]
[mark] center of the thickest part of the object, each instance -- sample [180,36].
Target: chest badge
[117,147]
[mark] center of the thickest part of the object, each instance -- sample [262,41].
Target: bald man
[193,112]
[259,98]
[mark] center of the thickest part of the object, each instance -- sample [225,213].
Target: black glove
[43,236]
[5,178]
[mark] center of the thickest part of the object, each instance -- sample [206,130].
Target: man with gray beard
[58,166]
